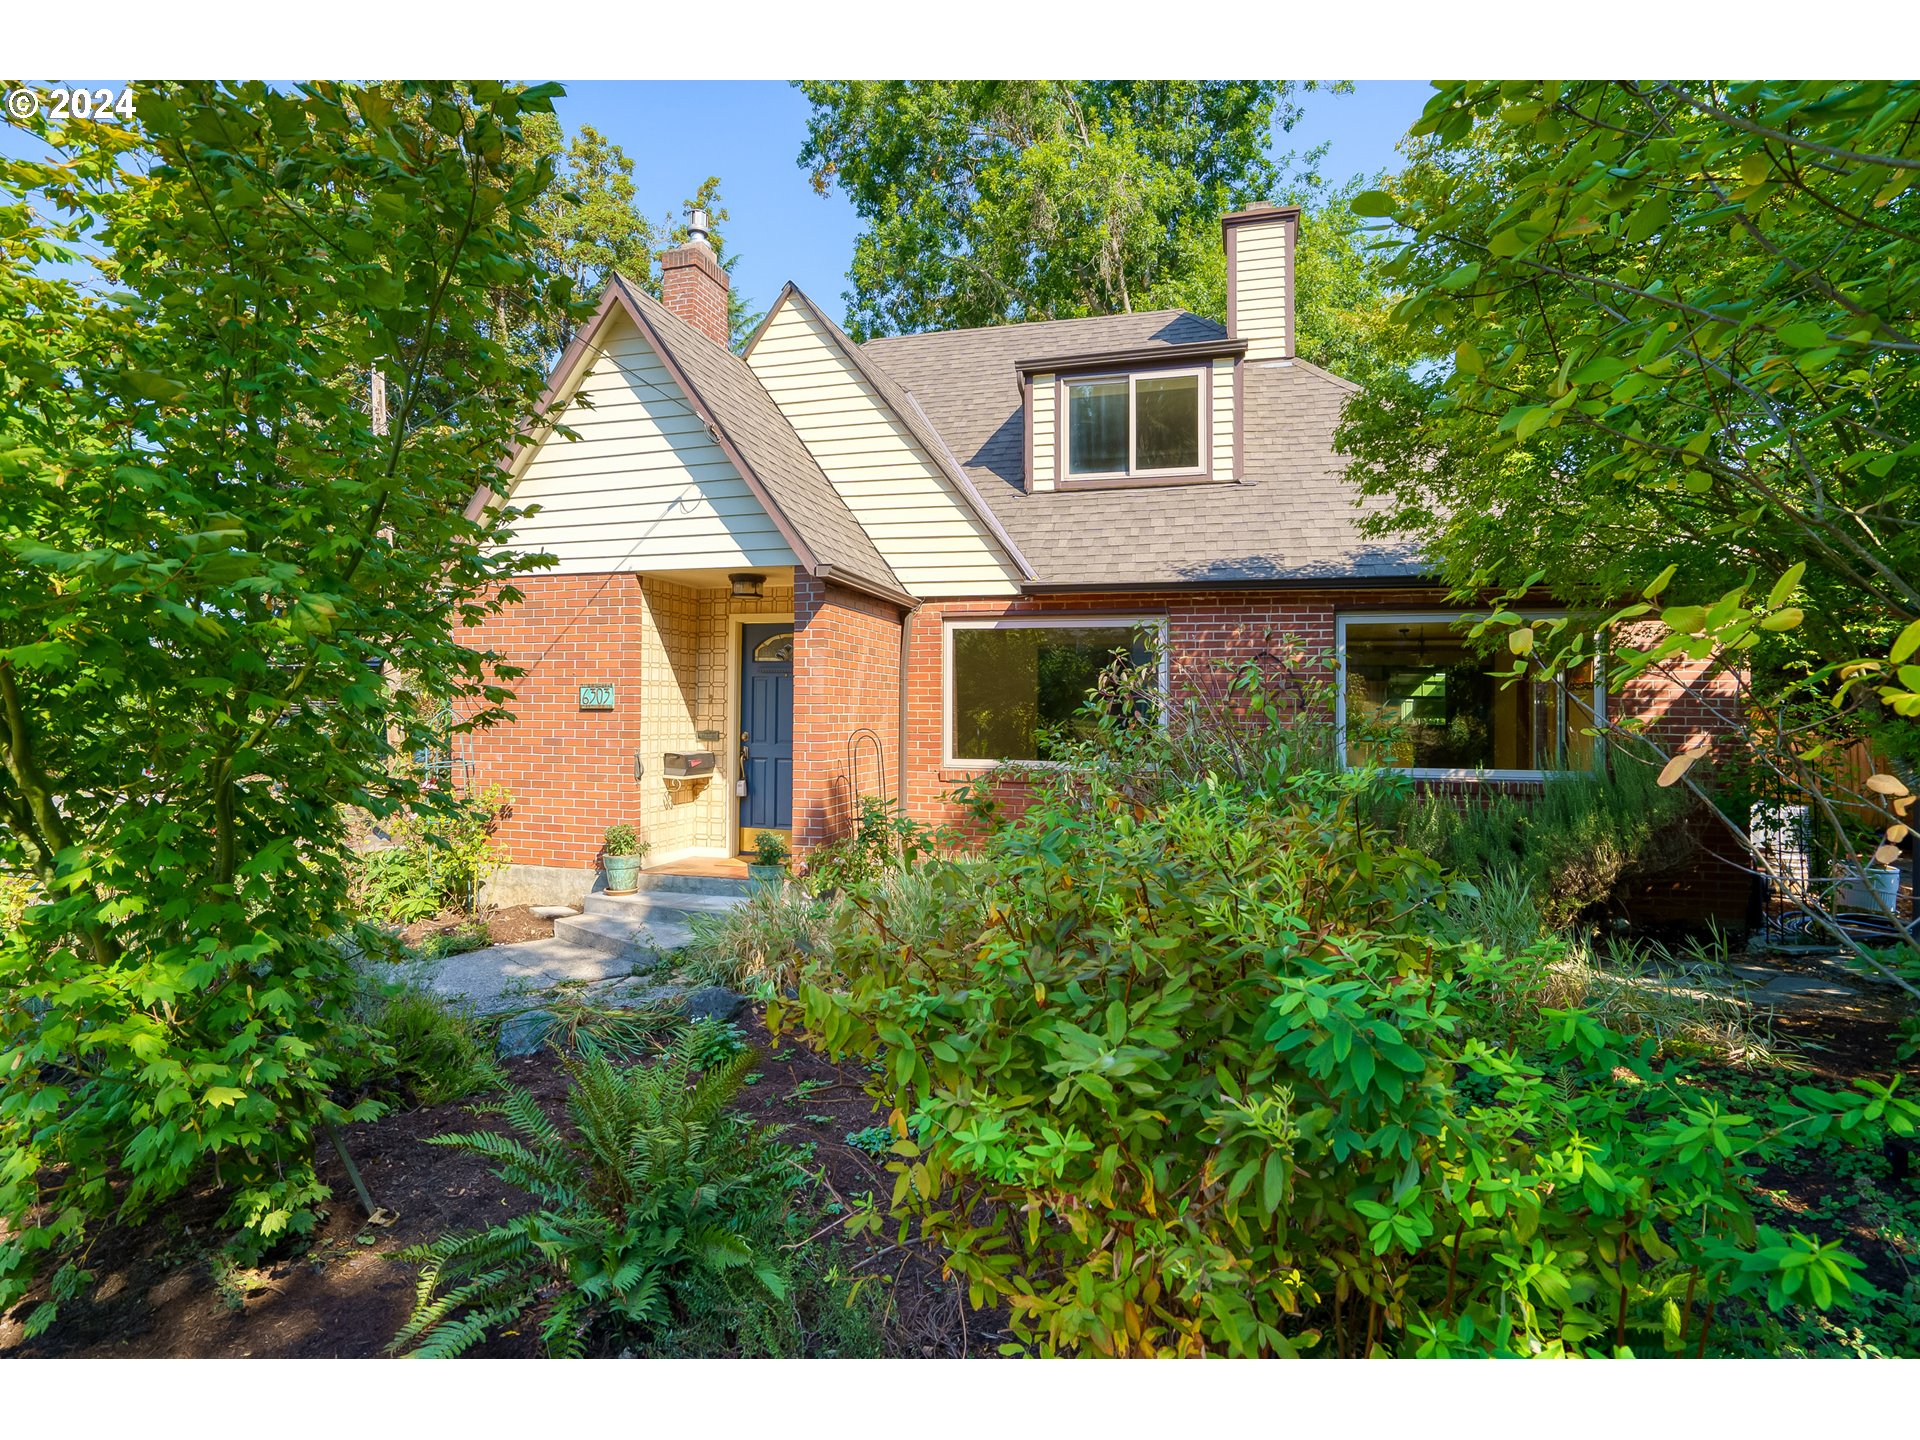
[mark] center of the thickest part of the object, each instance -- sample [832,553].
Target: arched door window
[775,649]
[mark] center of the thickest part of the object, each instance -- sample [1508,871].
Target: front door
[766,729]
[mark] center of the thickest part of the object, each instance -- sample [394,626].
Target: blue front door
[766,726]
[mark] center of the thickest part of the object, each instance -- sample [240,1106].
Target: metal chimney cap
[697,227]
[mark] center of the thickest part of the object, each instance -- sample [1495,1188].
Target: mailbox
[687,764]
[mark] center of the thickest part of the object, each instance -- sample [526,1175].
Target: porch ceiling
[776,576]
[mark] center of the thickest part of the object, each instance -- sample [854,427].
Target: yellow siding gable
[917,520]
[645,486]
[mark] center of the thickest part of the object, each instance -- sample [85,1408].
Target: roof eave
[1220,349]
[1249,582]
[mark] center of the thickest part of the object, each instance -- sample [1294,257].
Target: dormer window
[1152,415]
[1144,425]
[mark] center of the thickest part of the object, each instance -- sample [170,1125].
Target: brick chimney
[693,286]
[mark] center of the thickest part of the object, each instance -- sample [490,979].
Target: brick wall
[665,648]
[570,771]
[1203,627]
[1683,702]
[846,664]
[1207,627]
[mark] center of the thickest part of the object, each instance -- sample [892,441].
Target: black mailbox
[687,764]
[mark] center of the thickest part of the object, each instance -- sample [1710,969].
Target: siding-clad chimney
[1260,242]
[692,284]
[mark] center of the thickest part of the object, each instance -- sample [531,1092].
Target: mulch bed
[342,1294]
[516,923]
[504,927]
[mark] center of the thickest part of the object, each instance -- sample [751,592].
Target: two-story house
[846,569]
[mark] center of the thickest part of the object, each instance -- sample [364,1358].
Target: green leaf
[151,385]
[1373,204]
[1530,421]
[1906,644]
[1802,335]
[1786,585]
[1660,582]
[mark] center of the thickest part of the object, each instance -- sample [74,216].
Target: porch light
[746,587]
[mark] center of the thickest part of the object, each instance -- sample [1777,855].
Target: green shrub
[436,862]
[760,943]
[623,840]
[882,839]
[1499,911]
[660,1203]
[770,848]
[460,940]
[1573,844]
[433,1051]
[1190,1078]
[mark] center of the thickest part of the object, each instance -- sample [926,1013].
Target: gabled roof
[749,428]
[906,410]
[1290,519]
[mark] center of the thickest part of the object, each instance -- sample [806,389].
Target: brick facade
[570,772]
[668,650]
[1205,627]
[846,680]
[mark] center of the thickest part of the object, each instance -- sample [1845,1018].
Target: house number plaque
[596,697]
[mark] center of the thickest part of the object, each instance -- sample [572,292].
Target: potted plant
[620,856]
[769,865]
[1870,888]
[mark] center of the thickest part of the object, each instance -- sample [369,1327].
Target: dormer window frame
[1055,376]
[1202,375]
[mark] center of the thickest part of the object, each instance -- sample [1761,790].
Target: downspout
[900,756]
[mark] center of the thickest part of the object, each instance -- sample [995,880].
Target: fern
[659,1191]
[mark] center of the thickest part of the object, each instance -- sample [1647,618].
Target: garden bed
[343,1294]
[503,927]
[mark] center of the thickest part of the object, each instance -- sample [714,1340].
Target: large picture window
[1010,682]
[1414,698]
[1125,426]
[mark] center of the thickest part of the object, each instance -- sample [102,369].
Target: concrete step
[640,939]
[671,905]
[653,880]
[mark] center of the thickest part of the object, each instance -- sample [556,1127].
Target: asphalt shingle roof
[1292,516]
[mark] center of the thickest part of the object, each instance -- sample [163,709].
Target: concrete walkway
[504,977]
[617,937]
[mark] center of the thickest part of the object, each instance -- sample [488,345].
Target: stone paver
[1769,986]
[508,977]
[617,946]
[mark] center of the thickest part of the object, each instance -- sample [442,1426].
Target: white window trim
[1063,424]
[950,761]
[1430,772]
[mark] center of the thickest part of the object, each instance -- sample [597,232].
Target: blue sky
[749,133]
